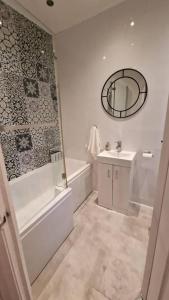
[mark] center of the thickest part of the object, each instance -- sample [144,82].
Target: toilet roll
[147,154]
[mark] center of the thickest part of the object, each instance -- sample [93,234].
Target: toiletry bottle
[107,146]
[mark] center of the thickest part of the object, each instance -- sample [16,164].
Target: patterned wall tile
[52,136]
[40,110]
[38,138]
[12,166]
[10,155]
[33,106]
[5,104]
[7,140]
[17,98]
[41,156]
[12,102]
[52,77]
[42,73]
[29,68]
[31,87]
[27,93]
[44,90]
[35,44]
[23,142]
[26,161]
[44,48]
[9,49]
[26,31]
[53,91]
[47,110]
[54,96]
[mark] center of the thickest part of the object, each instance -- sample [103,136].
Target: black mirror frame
[140,92]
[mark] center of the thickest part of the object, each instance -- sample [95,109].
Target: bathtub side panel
[42,241]
[81,186]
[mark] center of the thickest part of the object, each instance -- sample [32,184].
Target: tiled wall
[28,100]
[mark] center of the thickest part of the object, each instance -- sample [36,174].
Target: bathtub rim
[74,175]
[44,212]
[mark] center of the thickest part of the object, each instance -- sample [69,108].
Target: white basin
[123,158]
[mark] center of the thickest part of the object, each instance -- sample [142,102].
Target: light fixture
[0,23]
[50,2]
[132,23]
[104,57]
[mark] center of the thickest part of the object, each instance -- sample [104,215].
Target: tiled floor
[102,259]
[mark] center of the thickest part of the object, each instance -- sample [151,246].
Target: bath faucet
[118,146]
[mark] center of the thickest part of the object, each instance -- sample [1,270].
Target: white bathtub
[79,180]
[44,215]
[45,212]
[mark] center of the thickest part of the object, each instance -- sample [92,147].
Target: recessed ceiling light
[132,23]
[104,57]
[0,23]
[50,2]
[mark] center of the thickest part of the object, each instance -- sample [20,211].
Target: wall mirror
[124,93]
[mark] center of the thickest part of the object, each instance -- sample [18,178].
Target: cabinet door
[105,185]
[121,187]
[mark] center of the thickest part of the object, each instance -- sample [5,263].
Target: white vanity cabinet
[115,177]
[105,179]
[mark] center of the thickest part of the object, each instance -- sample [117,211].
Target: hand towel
[94,146]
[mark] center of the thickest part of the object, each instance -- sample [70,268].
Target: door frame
[162,186]
[14,283]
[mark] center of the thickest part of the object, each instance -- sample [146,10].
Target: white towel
[94,146]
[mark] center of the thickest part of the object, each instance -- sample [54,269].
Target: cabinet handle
[108,173]
[3,221]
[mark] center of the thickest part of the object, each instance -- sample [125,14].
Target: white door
[14,283]
[158,249]
[105,184]
[159,281]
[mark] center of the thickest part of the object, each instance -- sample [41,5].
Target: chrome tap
[118,146]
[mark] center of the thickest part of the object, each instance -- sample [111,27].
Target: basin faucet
[118,146]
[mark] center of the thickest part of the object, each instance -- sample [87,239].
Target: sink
[123,158]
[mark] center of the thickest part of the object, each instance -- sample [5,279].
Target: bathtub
[45,212]
[79,180]
[44,216]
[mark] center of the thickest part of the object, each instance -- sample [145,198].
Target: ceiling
[66,13]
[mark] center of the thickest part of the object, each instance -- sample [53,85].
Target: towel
[94,146]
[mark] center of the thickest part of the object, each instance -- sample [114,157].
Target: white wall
[83,73]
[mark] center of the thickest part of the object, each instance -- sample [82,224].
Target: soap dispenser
[107,146]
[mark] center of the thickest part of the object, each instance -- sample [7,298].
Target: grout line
[7,128]
[101,294]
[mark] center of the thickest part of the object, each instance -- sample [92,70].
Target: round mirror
[124,93]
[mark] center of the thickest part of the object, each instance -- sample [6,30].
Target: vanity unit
[115,177]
